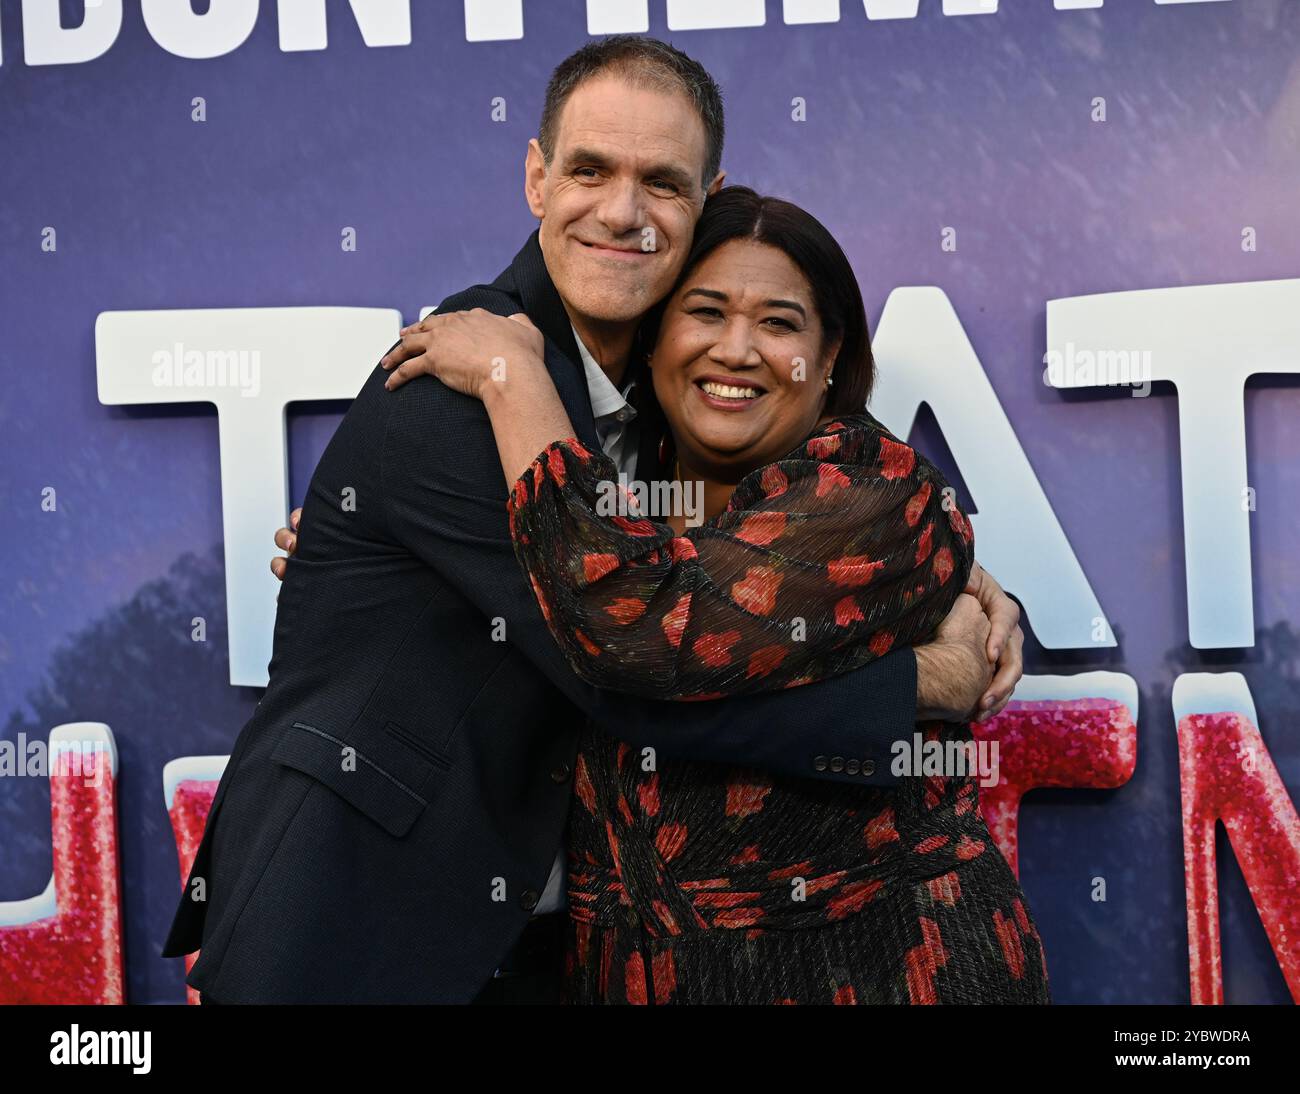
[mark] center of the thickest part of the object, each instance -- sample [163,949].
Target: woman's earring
[829,381]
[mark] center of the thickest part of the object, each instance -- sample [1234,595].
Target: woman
[826,542]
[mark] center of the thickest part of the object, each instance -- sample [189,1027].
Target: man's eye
[586,172]
[667,187]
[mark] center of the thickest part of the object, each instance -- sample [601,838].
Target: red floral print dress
[702,883]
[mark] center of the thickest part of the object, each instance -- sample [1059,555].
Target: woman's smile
[728,395]
[741,361]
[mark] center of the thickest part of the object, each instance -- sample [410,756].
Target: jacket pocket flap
[386,782]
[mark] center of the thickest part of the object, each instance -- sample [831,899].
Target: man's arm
[947,669]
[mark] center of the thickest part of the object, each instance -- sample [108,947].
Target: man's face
[619,203]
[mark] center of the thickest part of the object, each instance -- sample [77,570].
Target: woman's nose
[734,348]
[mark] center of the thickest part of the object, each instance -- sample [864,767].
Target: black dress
[701,883]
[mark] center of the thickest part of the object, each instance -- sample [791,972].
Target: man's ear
[535,179]
[716,184]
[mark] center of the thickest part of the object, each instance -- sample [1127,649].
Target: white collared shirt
[615,418]
[614,414]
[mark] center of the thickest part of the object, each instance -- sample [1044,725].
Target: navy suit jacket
[390,813]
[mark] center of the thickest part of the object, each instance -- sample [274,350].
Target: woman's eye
[712,313]
[785,324]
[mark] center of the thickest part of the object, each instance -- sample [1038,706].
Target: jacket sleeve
[822,562]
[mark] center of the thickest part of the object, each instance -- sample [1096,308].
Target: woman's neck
[716,494]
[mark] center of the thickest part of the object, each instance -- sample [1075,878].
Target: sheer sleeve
[821,562]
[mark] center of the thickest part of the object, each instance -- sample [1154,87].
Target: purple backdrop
[912,125]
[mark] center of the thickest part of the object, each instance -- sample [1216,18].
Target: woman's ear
[829,356]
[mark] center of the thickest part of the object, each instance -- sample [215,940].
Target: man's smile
[616,254]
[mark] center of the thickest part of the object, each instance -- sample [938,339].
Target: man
[390,824]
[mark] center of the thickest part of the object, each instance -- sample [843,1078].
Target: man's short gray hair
[645,62]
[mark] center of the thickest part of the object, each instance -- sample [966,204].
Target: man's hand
[287,540]
[953,670]
[1006,641]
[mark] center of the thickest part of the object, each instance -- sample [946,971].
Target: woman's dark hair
[737,212]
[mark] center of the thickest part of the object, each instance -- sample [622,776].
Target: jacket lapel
[541,300]
[527,280]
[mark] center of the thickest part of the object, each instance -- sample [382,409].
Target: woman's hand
[466,350]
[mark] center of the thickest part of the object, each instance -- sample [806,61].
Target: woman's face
[739,365]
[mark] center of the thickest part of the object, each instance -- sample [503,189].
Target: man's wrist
[933,672]
[925,666]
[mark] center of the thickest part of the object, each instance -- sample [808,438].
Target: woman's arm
[527,416]
[728,639]
[822,562]
[457,524]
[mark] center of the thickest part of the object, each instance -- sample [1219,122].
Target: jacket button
[560,773]
[837,763]
[868,767]
[528,899]
[820,763]
[851,768]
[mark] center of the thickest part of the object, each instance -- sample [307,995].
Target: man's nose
[621,211]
